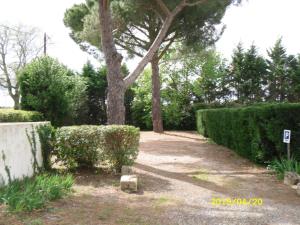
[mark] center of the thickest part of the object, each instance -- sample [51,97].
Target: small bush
[11,115]
[77,146]
[85,146]
[34,193]
[120,144]
[254,132]
[284,165]
[47,138]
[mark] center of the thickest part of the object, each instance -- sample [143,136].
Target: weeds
[34,193]
[284,165]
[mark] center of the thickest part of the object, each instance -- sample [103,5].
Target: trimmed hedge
[11,115]
[254,132]
[120,145]
[85,146]
[77,146]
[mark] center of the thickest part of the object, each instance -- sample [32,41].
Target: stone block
[127,170]
[291,178]
[129,183]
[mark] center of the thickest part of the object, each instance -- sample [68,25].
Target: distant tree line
[189,82]
[251,78]
[206,80]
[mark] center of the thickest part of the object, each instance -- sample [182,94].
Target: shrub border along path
[254,132]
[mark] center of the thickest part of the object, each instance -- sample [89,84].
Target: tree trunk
[156,107]
[16,99]
[115,101]
[113,59]
[116,84]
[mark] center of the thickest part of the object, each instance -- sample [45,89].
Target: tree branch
[129,49]
[6,74]
[128,80]
[166,48]
[16,49]
[131,35]
[2,83]
[163,7]
[133,44]
[194,3]
[141,30]
[155,45]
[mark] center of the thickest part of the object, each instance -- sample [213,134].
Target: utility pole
[45,44]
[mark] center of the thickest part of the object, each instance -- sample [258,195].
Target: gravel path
[188,172]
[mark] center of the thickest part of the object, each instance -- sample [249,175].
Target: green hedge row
[86,146]
[11,115]
[255,132]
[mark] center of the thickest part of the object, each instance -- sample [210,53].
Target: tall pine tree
[248,75]
[278,73]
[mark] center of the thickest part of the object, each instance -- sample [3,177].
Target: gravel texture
[193,171]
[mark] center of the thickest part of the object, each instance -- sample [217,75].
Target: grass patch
[211,141]
[127,220]
[200,175]
[35,193]
[34,222]
[125,215]
[130,216]
[105,213]
[284,165]
[162,201]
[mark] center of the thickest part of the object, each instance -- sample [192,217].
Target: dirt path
[193,172]
[180,174]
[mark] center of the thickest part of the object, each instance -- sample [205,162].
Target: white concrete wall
[17,150]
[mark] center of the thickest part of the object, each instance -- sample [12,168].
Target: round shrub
[77,146]
[120,144]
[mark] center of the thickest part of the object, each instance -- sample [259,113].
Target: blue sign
[287,136]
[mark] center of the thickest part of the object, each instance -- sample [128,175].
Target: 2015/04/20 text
[237,201]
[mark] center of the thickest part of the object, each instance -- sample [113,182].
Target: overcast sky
[258,21]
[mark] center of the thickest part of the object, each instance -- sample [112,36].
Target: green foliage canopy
[96,93]
[248,71]
[137,23]
[52,89]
